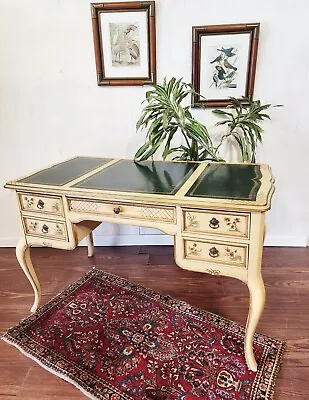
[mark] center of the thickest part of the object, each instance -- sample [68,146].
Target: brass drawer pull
[214,223]
[117,210]
[213,252]
[40,204]
[45,228]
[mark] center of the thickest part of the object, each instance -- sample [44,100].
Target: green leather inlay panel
[65,172]
[228,181]
[158,177]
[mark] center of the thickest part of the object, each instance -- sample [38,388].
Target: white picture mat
[242,41]
[129,17]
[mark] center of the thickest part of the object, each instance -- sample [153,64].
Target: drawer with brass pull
[41,204]
[45,228]
[217,223]
[219,253]
[144,212]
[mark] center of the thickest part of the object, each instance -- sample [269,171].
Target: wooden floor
[286,315]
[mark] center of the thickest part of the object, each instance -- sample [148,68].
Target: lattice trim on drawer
[157,213]
[87,206]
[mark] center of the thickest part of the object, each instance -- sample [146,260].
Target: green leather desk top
[141,177]
[65,172]
[228,181]
[210,181]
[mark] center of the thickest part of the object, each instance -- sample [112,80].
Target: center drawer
[217,223]
[124,210]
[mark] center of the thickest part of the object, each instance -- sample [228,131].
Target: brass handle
[45,228]
[40,204]
[117,210]
[214,223]
[213,252]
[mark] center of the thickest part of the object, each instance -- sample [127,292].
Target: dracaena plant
[244,125]
[164,116]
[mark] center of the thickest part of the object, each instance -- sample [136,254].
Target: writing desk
[215,211]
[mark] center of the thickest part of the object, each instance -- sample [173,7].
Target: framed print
[124,42]
[223,63]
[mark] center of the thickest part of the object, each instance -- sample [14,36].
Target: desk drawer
[218,253]
[123,210]
[41,204]
[45,228]
[217,223]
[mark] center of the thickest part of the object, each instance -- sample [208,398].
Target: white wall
[51,107]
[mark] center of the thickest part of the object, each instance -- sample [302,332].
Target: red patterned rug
[116,340]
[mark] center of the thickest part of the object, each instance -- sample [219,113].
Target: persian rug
[116,340]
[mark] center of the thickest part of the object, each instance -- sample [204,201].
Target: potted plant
[165,116]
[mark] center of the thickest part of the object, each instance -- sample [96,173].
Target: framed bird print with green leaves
[223,63]
[124,42]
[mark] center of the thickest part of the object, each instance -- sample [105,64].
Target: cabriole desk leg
[255,285]
[257,300]
[23,257]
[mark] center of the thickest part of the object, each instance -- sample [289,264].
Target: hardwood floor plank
[13,370]
[40,378]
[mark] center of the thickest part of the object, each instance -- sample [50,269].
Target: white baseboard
[286,241]
[9,242]
[135,240]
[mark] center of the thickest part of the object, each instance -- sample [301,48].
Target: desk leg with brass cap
[23,257]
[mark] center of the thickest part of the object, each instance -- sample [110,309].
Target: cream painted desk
[215,212]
